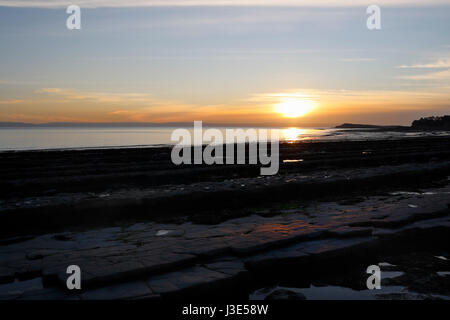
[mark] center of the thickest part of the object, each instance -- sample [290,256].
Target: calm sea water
[68,138]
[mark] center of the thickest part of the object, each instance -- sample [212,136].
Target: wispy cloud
[442,63]
[357,60]
[440,75]
[149,3]
[98,97]
[11,101]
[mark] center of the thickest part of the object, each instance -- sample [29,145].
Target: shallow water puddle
[386,264]
[404,193]
[162,232]
[441,257]
[408,193]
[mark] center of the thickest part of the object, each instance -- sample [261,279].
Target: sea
[122,137]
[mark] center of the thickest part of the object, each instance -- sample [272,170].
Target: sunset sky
[252,62]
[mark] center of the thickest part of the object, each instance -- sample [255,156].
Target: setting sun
[293,108]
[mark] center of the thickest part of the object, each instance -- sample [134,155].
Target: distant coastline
[92,124]
[423,124]
[24,125]
[370,126]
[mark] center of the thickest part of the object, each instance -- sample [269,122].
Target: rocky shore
[142,228]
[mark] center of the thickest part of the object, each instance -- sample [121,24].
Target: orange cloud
[59,104]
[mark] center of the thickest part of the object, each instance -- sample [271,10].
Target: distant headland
[428,123]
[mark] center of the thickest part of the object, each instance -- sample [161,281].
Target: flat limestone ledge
[307,253]
[122,291]
[6,275]
[195,281]
[98,271]
[173,199]
[218,276]
[226,275]
[441,223]
[121,254]
[49,294]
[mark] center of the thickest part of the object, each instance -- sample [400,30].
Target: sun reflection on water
[292,134]
[299,134]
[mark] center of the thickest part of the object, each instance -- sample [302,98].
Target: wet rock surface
[234,232]
[54,190]
[140,262]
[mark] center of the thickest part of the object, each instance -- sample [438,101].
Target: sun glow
[293,108]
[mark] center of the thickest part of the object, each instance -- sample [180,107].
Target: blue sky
[182,62]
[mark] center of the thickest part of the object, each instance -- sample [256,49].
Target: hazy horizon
[176,124]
